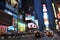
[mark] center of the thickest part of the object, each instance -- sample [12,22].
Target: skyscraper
[38,7]
[51,16]
[39,12]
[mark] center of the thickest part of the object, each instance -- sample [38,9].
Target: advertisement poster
[21,27]
[11,28]
[3,28]
[32,25]
[29,17]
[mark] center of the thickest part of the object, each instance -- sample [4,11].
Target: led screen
[20,17]
[11,28]
[54,9]
[21,27]
[44,8]
[36,21]
[45,16]
[15,20]
[29,17]
[31,25]
[3,28]
[8,12]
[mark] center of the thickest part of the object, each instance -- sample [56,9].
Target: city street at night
[29,19]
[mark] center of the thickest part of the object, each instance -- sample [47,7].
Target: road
[31,37]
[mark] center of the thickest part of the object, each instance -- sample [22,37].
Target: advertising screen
[32,25]
[15,21]
[44,8]
[21,27]
[53,5]
[58,15]
[32,18]
[29,17]
[36,21]
[3,28]
[8,12]
[45,16]
[11,28]
[20,16]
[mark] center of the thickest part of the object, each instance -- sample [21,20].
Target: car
[50,33]
[39,34]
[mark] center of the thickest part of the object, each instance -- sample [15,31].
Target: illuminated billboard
[54,9]
[15,21]
[3,28]
[11,28]
[36,21]
[32,25]
[29,17]
[21,27]
[20,17]
[44,8]
[45,16]
[46,19]
[14,2]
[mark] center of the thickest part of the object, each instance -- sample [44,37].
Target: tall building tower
[51,16]
[39,13]
[38,5]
